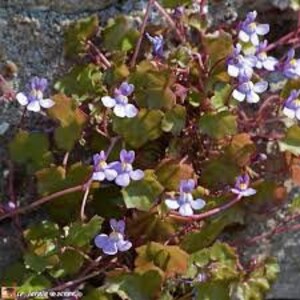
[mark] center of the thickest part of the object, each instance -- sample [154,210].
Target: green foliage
[31,149]
[167,260]
[291,142]
[119,35]
[174,3]
[153,86]
[174,120]
[141,129]
[71,119]
[143,193]
[78,33]
[82,82]
[219,125]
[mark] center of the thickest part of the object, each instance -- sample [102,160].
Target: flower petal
[46,103]
[118,226]
[110,174]
[198,204]
[22,99]
[34,106]
[270,63]
[101,240]
[260,87]
[298,114]
[123,180]
[237,95]
[136,174]
[262,29]
[130,111]
[98,176]
[186,210]
[252,97]
[254,39]
[110,247]
[243,36]
[236,191]
[248,192]
[124,245]
[119,111]
[108,101]
[172,204]
[290,113]
[233,70]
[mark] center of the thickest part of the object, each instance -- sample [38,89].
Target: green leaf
[212,291]
[220,97]
[34,283]
[153,86]
[42,231]
[295,205]
[292,84]
[30,149]
[35,262]
[174,120]
[82,82]
[78,33]
[81,234]
[170,172]
[14,274]
[291,142]
[142,194]
[135,286]
[71,119]
[168,260]
[141,129]
[51,180]
[196,241]
[119,35]
[174,3]
[218,125]
[150,226]
[218,45]
[97,294]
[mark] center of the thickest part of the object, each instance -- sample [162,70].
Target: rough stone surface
[31,36]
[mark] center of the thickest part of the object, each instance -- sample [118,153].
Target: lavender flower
[125,170]
[292,105]
[241,187]
[119,102]
[34,97]
[249,91]
[263,60]
[291,66]
[239,65]
[185,202]
[157,44]
[103,170]
[250,30]
[111,244]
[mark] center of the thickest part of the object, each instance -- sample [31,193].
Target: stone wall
[31,35]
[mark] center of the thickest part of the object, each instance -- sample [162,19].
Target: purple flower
[249,91]
[125,170]
[263,60]
[185,201]
[111,244]
[250,30]
[102,170]
[291,66]
[34,97]
[241,187]
[239,65]
[292,105]
[157,44]
[119,102]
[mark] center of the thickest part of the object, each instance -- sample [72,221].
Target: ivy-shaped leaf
[153,86]
[78,33]
[141,129]
[119,35]
[168,260]
[31,149]
[291,142]
[143,193]
[174,120]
